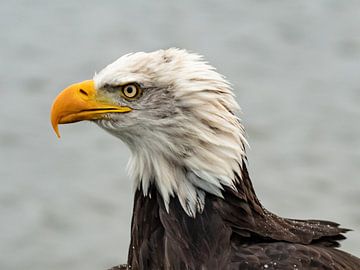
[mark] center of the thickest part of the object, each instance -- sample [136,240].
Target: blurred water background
[66,204]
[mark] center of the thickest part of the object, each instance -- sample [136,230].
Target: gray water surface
[66,204]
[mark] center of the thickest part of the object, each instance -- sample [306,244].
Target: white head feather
[183,132]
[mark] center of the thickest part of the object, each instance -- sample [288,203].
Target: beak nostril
[82,91]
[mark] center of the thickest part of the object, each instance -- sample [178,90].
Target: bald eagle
[194,203]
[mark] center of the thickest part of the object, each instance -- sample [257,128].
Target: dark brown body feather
[231,233]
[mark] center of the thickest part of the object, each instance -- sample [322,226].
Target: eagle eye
[131,91]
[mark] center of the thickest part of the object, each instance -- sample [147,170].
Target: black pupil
[129,89]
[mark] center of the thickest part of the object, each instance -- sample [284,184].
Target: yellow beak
[80,102]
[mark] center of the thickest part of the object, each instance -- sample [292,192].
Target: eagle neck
[182,239]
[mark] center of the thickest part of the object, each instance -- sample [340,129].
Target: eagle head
[176,114]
